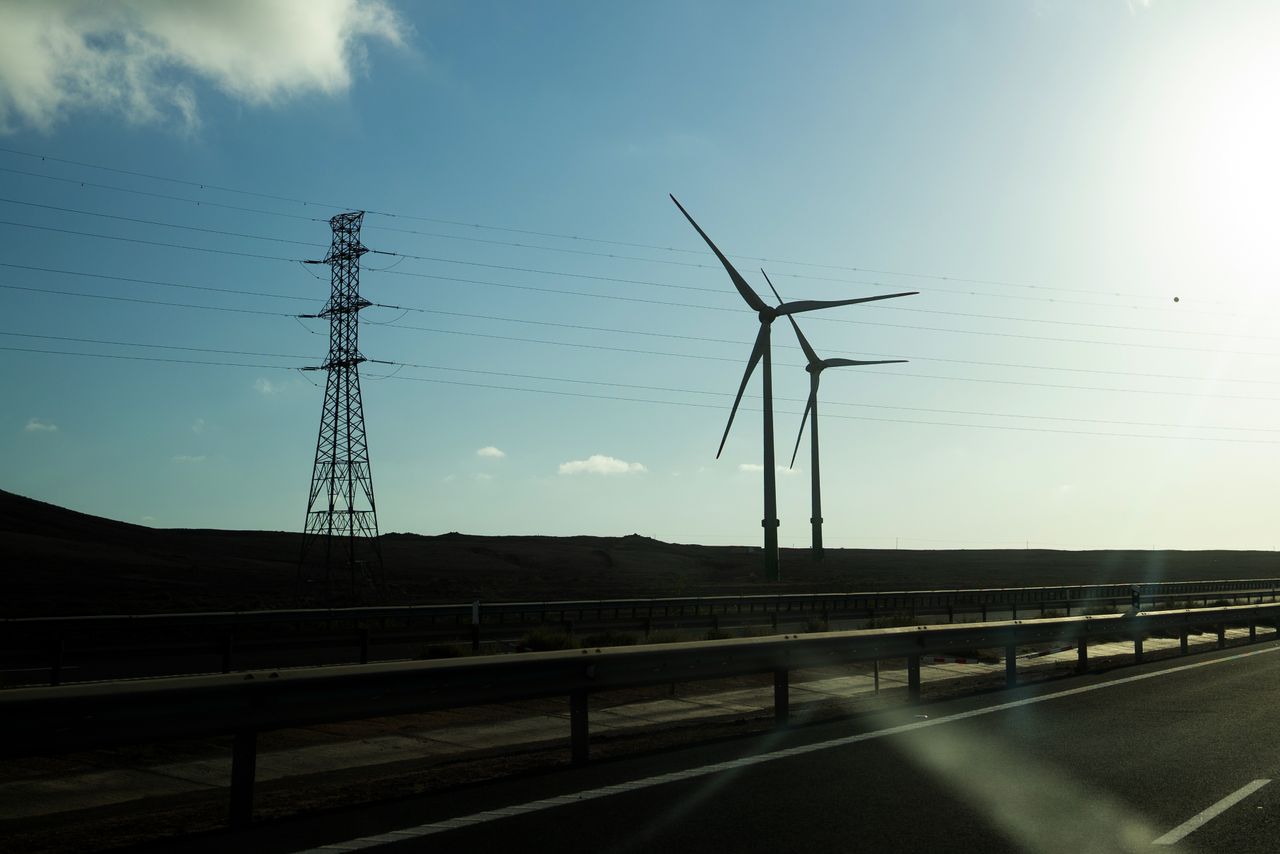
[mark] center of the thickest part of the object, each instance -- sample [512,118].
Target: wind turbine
[760,352]
[815,368]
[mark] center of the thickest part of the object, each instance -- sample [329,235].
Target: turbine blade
[771,287]
[756,353]
[812,304]
[804,418]
[840,363]
[752,298]
[804,343]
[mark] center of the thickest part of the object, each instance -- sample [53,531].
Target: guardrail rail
[44,720]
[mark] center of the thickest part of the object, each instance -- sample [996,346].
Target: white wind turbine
[760,352]
[815,367]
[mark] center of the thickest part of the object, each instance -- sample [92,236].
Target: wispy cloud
[35,425]
[141,59]
[188,458]
[756,468]
[265,386]
[199,426]
[491,452]
[483,477]
[601,464]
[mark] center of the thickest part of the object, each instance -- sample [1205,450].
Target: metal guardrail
[888,600]
[45,720]
[50,637]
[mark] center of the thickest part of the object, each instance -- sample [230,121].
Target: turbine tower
[340,508]
[760,352]
[815,367]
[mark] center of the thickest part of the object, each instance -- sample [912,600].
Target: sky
[1083,193]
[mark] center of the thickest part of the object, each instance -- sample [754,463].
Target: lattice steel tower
[341,508]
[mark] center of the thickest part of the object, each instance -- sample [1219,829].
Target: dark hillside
[57,561]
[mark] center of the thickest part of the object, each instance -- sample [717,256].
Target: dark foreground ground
[57,561]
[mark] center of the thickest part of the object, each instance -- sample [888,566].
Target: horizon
[740,546]
[1081,193]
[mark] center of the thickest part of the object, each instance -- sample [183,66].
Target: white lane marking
[364,842]
[1199,819]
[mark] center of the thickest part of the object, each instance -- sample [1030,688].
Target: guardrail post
[244,760]
[951,614]
[364,644]
[1222,635]
[1184,646]
[984,612]
[1137,649]
[1015,611]
[1082,656]
[55,667]
[579,745]
[781,697]
[1253,632]
[913,678]
[875,675]
[475,625]
[228,648]
[1010,666]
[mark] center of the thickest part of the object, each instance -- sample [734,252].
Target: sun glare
[1236,177]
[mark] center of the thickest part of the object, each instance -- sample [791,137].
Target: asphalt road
[1109,762]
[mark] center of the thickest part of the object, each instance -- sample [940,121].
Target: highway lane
[1108,762]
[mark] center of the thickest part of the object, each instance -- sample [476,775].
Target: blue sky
[1049,175]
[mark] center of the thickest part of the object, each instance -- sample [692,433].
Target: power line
[896,372]
[150,242]
[846,417]
[166,196]
[147,301]
[159,282]
[858,353]
[588,253]
[559,236]
[635,351]
[147,359]
[836,402]
[822,319]
[611,384]
[153,346]
[140,221]
[604,329]
[620,280]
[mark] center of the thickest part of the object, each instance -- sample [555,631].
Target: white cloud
[188,458]
[141,57]
[198,426]
[600,464]
[482,477]
[491,452]
[266,386]
[35,425]
[756,468]
[147,520]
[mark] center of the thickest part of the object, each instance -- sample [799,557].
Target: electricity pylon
[341,508]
